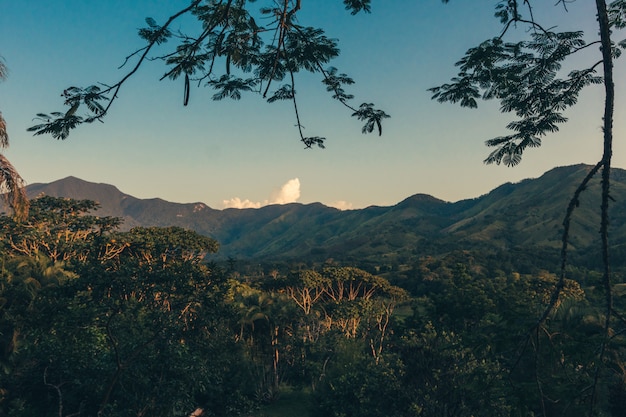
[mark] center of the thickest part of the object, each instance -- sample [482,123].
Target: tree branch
[117,86]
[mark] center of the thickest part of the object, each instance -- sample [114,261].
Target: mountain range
[527,214]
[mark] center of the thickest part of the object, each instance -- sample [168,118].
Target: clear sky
[224,153]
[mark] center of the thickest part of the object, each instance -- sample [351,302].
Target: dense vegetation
[94,321]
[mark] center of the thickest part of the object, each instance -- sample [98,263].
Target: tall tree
[526,77]
[11,183]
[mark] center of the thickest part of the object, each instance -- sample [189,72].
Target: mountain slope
[526,214]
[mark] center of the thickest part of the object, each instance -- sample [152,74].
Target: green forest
[97,322]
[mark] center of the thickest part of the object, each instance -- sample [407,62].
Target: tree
[121,336]
[525,76]
[11,183]
[233,54]
[163,246]
[62,229]
[21,280]
[265,329]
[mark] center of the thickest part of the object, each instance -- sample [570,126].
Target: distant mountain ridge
[528,213]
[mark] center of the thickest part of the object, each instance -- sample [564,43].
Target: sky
[247,153]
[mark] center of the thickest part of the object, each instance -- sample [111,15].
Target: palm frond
[4,136]
[12,189]
[4,71]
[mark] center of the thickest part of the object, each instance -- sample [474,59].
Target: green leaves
[303,48]
[355,6]
[308,48]
[186,60]
[168,244]
[59,228]
[154,33]
[461,90]
[524,77]
[506,11]
[617,14]
[334,83]
[228,44]
[285,92]
[617,20]
[56,124]
[60,124]
[231,87]
[311,141]
[373,118]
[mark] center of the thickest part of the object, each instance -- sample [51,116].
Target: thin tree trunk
[609,88]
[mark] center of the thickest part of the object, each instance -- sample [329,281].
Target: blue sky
[226,152]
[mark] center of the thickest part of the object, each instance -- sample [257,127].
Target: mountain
[513,216]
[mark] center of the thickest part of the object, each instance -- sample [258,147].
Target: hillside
[512,216]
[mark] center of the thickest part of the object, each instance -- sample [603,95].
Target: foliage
[116,333]
[143,299]
[430,373]
[160,247]
[525,77]
[137,323]
[11,183]
[233,54]
[62,229]
[356,386]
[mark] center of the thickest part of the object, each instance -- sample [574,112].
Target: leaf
[231,87]
[373,118]
[334,83]
[4,136]
[59,127]
[511,159]
[525,78]
[462,91]
[285,92]
[308,48]
[227,43]
[617,14]
[154,33]
[314,140]
[355,6]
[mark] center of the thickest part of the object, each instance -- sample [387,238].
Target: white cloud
[238,203]
[288,193]
[341,205]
